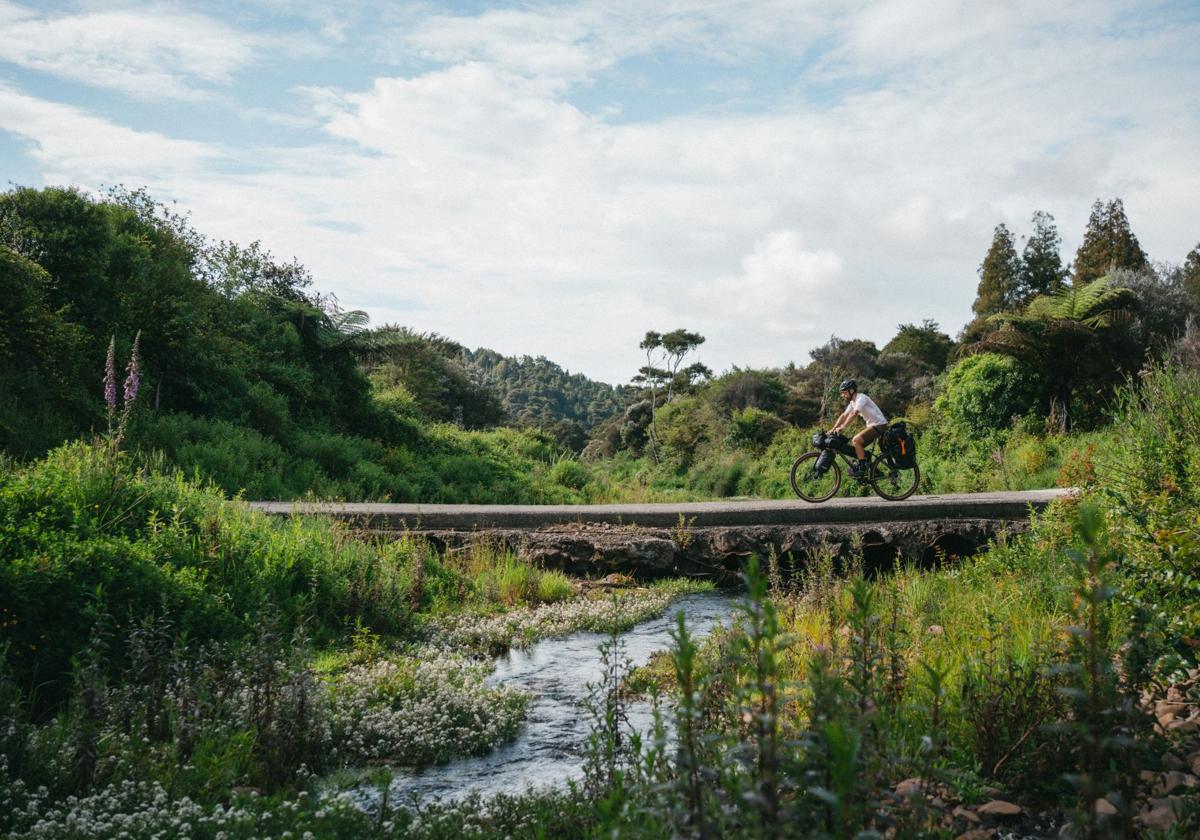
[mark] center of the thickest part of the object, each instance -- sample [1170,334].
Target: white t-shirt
[867,410]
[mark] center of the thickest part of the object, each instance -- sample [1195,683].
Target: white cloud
[778,276]
[157,53]
[518,220]
[571,42]
[77,147]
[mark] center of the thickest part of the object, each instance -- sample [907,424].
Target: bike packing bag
[901,446]
[824,461]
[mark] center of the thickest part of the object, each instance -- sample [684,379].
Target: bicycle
[816,476]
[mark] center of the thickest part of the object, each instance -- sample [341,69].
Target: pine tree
[1042,271]
[999,276]
[1108,244]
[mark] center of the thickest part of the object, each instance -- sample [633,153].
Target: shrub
[86,537]
[754,429]
[984,393]
[685,429]
[570,473]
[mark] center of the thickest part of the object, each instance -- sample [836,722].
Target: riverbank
[169,652]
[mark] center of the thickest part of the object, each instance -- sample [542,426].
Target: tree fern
[1091,304]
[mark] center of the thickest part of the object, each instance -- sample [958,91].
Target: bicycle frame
[882,475]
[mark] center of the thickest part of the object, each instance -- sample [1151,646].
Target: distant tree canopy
[430,368]
[1108,244]
[925,343]
[1001,287]
[852,357]
[536,392]
[665,353]
[1068,337]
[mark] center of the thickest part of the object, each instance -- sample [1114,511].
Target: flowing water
[548,750]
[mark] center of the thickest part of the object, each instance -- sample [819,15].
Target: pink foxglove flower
[133,373]
[110,375]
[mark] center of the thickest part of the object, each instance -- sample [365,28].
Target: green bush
[985,393]
[570,473]
[754,429]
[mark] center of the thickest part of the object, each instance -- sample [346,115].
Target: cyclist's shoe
[859,468]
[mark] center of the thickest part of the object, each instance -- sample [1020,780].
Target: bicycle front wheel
[893,483]
[811,484]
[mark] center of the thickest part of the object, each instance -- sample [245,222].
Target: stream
[548,749]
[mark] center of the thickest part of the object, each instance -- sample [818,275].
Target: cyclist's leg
[858,464]
[860,446]
[864,439]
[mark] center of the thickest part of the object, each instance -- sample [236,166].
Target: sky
[558,178]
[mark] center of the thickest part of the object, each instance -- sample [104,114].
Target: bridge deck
[1007,505]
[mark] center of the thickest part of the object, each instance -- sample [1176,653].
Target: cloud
[520,219]
[77,147]
[572,42]
[778,276]
[148,54]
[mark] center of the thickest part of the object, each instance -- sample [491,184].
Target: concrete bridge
[704,538]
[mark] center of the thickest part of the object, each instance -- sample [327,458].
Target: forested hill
[538,392]
[241,373]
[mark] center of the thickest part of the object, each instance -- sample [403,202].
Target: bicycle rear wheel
[811,485]
[891,482]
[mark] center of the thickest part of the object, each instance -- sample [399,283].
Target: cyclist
[865,407]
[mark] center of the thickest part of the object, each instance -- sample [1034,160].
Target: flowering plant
[133,378]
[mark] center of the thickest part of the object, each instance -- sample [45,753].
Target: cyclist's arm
[844,420]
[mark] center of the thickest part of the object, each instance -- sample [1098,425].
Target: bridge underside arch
[948,548]
[721,554]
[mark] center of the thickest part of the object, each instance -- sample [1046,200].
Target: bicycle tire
[810,487]
[893,483]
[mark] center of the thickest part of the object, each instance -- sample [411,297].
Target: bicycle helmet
[848,385]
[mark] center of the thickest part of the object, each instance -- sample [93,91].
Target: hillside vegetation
[173,664]
[248,378]
[253,380]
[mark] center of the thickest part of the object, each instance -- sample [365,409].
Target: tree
[232,270]
[430,368]
[669,351]
[677,344]
[853,357]
[925,343]
[1108,244]
[1062,335]
[836,360]
[1042,271]
[999,276]
[685,380]
[653,376]
[39,350]
[1191,275]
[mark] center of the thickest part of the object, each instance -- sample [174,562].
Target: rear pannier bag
[901,446]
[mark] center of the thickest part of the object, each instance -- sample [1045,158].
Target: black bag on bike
[824,462]
[900,446]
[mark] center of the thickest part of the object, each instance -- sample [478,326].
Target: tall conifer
[1042,271]
[999,276]
[1108,244]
